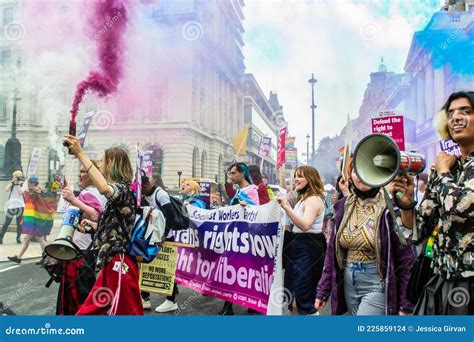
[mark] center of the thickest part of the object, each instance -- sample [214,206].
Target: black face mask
[303,190]
[366,194]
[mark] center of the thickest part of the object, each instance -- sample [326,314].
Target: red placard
[281,151]
[391,126]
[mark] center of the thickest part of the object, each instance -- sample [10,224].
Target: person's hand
[444,162]
[404,185]
[73,144]
[243,203]
[403,313]
[86,225]
[334,199]
[283,201]
[319,304]
[68,194]
[344,187]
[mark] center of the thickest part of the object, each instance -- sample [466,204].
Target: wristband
[405,207]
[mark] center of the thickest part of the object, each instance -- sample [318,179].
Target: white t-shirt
[316,227]
[16,199]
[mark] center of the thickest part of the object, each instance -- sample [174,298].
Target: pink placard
[391,126]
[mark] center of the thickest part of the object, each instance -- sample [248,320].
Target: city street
[25,293]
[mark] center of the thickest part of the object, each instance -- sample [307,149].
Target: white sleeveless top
[316,227]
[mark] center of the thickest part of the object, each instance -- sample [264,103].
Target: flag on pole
[240,142]
[281,149]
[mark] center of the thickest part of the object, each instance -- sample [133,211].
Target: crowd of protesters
[341,243]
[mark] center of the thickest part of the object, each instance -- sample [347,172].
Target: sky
[340,41]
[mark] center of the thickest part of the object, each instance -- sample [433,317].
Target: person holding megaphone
[446,215]
[366,269]
[78,275]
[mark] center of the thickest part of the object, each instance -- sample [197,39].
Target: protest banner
[237,255]
[450,147]
[34,160]
[265,147]
[292,157]
[391,126]
[158,276]
[86,122]
[281,148]
[147,164]
[205,192]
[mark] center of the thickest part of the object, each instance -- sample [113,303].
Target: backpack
[146,235]
[180,219]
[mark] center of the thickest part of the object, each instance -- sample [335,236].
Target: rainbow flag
[341,151]
[38,218]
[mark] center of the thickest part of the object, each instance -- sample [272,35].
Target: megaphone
[377,161]
[63,248]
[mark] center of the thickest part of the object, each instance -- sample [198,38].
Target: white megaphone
[377,161]
[63,248]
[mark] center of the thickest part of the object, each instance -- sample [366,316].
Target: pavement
[24,291]
[10,247]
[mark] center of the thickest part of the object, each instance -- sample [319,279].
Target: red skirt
[115,292]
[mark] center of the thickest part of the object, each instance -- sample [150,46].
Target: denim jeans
[363,289]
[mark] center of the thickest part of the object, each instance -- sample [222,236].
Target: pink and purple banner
[236,255]
[265,147]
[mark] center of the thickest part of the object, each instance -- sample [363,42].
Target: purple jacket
[397,262]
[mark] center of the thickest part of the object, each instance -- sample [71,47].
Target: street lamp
[12,161]
[179,178]
[307,149]
[312,81]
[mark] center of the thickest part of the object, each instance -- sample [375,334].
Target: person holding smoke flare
[448,204]
[116,290]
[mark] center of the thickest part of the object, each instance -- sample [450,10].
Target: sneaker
[18,240]
[1,241]
[15,259]
[167,306]
[226,312]
[146,304]
[40,262]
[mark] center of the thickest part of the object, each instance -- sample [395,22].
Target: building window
[3,107]
[7,15]
[6,57]
[2,157]
[220,169]
[195,162]
[203,164]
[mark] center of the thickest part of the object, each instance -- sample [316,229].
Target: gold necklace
[353,226]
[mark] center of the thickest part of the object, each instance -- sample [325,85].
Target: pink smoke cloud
[108,22]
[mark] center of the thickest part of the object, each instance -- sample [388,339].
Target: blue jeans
[363,289]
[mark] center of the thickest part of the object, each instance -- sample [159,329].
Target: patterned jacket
[449,202]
